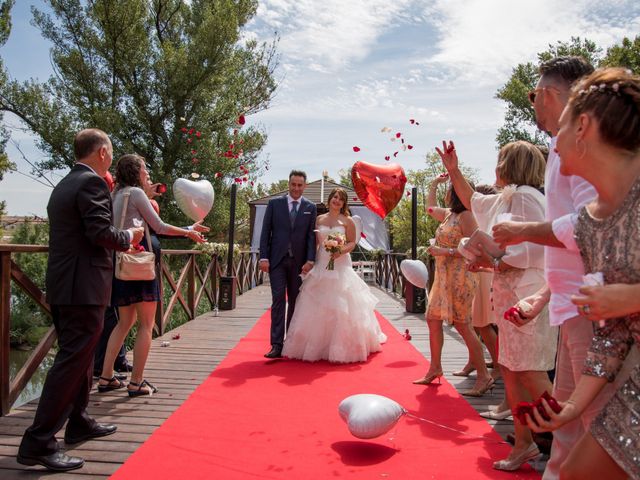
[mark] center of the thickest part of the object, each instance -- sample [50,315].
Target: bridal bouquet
[333,244]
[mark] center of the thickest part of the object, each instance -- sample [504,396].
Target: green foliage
[147,73]
[627,55]
[28,322]
[279,186]
[519,122]
[5,30]
[400,218]
[344,175]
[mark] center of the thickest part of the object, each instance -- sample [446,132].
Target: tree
[344,177]
[519,123]
[400,218]
[168,79]
[5,29]
[627,55]
[279,186]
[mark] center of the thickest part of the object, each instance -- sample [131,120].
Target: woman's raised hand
[442,178]
[448,156]
[195,236]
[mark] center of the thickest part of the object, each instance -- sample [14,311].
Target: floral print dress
[454,287]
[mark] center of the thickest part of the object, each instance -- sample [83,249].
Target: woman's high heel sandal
[465,372]
[478,392]
[150,390]
[110,385]
[515,463]
[429,378]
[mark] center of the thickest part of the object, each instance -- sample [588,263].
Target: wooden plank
[178,369]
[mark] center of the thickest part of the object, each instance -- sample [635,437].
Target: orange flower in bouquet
[333,244]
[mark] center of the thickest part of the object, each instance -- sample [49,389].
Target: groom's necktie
[293,212]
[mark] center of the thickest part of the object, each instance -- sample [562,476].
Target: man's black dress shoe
[58,461]
[127,367]
[100,430]
[275,352]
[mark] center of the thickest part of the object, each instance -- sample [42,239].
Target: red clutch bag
[527,407]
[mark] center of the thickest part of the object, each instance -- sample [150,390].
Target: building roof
[312,193]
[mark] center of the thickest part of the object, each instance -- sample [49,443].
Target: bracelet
[451,252]
[496,264]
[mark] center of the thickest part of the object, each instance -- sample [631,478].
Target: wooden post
[5,319]
[191,285]
[160,307]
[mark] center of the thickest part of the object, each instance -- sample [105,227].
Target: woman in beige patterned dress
[599,140]
[453,289]
[527,352]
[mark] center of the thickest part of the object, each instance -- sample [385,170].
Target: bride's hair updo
[343,196]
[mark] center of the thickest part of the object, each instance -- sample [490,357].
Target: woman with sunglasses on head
[599,140]
[136,299]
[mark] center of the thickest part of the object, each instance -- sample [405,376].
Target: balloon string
[491,440]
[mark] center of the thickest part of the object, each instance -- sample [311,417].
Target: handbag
[135,266]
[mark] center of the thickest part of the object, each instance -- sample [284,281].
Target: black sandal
[109,386]
[139,391]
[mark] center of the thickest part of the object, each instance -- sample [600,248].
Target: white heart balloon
[415,272]
[358,221]
[369,415]
[195,199]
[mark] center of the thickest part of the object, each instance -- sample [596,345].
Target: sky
[347,69]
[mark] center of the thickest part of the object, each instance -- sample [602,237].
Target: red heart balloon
[379,187]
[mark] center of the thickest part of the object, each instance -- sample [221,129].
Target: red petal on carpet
[254,418]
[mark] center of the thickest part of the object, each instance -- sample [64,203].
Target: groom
[287,247]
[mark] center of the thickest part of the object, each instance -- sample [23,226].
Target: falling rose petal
[408,194]
[235,131]
[195,175]
[355,199]
[193,152]
[395,154]
[417,123]
[410,147]
[363,235]
[244,179]
[252,183]
[402,140]
[393,139]
[176,337]
[191,130]
[237,180]
[217,175]
[412,121]
[404,148]
[266,168]
[198,134]
[387,158]
[183,130]
[232,146]
[188,140]
[241,120]
[195,160]
[356,149]
[398,135]
[385,129]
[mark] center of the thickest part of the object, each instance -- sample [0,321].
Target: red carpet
[259,419]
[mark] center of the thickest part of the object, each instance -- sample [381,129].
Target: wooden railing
[195,281]
[388,273]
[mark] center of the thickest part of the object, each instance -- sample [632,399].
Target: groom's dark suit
[288,246]
[78,288]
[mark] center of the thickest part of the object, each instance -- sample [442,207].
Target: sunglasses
[533,93]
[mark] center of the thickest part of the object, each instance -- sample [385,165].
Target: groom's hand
[307,267]
[264,266]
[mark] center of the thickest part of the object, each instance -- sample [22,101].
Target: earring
[581,147]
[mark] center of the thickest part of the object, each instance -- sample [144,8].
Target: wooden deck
[179,368]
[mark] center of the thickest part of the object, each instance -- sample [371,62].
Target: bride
[334,318]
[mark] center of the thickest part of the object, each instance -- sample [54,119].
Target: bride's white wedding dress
[334,318]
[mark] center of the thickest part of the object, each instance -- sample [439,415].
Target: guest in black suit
[78,288]
[287,247]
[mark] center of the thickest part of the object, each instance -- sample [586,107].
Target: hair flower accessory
[615,87]
[602,86]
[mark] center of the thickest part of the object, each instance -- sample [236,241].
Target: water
[32,390]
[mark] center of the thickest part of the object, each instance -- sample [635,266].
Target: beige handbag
[135,266]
